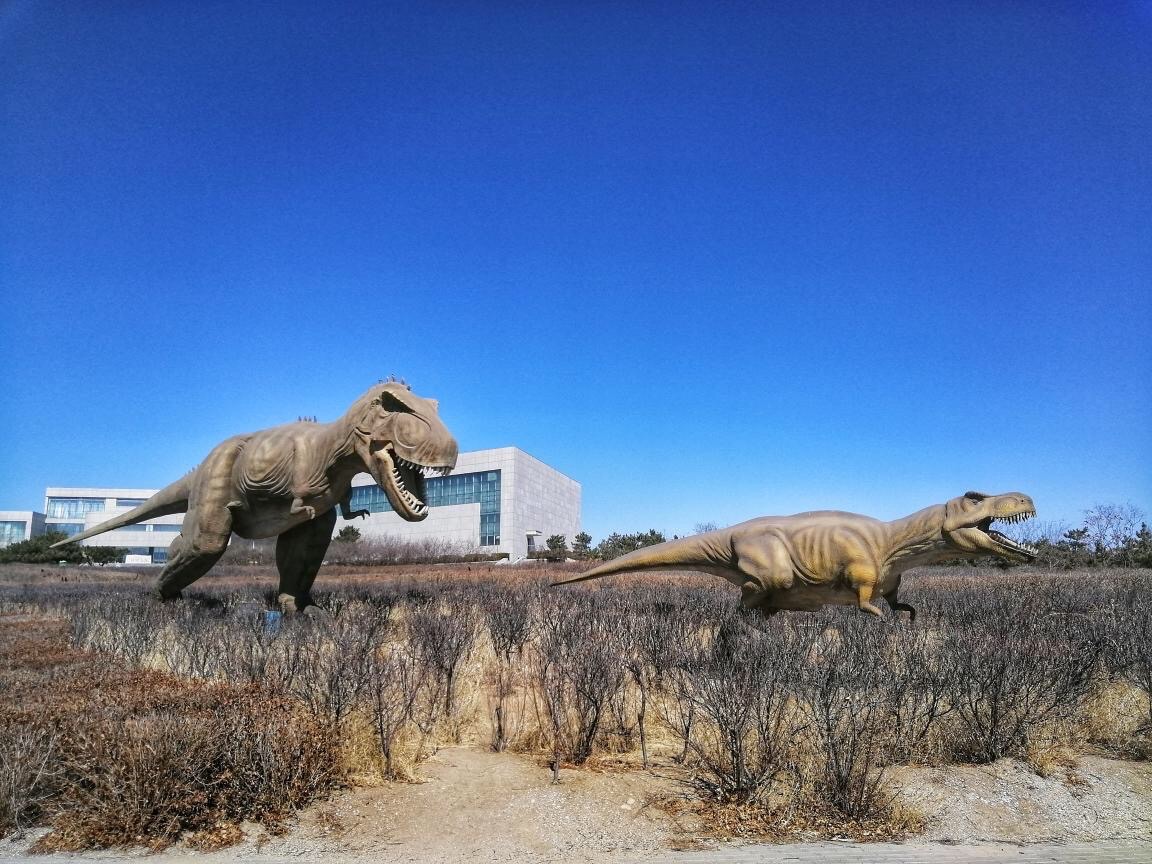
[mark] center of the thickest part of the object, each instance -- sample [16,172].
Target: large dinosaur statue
[808,560]
[287,481]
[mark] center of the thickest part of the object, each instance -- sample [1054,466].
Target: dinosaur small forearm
[298,506]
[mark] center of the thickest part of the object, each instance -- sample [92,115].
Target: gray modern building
[19,525]
[500,500]
[71,510]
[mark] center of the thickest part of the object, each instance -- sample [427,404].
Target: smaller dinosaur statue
[286,481]
[809,560]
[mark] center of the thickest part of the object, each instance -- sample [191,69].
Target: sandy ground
[481,806]
[475,806]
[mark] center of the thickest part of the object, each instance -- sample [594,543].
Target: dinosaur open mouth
[407,487]
[1016,547]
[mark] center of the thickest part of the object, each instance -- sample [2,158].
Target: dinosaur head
[400,438]
[968,531]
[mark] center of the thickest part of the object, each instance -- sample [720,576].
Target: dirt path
[479,806]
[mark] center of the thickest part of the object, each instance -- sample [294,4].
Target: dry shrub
[510,623]
[579,669]
[742,685]
[1013,670]
[443,633]
[1051,759]
[851,697]
[148,779]
[790,724]
[28,774]
[219,836]
[388,549]
[397,684]
[1115,719]
[725,821]
[138,756]
[1129,654]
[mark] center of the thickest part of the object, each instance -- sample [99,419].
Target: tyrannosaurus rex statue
[287,480]
[808,560]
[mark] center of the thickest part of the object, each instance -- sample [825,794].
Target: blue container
[271,621]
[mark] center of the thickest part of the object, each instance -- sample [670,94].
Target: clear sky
[712,260]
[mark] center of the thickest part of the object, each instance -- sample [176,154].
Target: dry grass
[140,757]
[429,656]
[707,820]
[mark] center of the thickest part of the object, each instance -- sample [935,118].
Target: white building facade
[19,525]
[495,501]
[71,510]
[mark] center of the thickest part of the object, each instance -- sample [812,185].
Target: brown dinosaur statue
[809,560]
[286,481]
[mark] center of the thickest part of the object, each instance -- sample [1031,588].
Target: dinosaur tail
[700,552]
[171,499]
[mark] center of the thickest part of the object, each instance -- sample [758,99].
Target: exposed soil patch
[1098,799]
[477,806]
[483,806]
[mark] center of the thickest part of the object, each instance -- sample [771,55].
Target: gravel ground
[1098,799]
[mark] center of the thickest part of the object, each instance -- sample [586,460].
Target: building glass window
[159,556]
[120,536]
[480,487]
[71,508]
[69,528]
[12,532]
[130,502]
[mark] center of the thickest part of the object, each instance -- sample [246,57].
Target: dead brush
[136,757]
[1051,759]
[579,669]
[1114,720]
[742,684]
[510,623]
[396,683]
[1011,670]
[146,780]
[787,723]
[29,774]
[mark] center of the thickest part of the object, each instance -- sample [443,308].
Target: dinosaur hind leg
[299,554]
[862,578]
[186,564]
[207,525]
[765,568]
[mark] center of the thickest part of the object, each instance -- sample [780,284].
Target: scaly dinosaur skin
[286,482]
[809,560]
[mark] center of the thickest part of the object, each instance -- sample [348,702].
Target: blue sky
[713,261]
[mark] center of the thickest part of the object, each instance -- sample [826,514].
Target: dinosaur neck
[343,441]
[915,539]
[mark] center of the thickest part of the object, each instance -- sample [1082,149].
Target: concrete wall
[546,502]
[32,520]
[455,523]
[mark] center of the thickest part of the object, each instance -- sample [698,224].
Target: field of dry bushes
[128,721]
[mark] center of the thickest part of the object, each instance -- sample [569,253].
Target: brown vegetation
[161,720]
